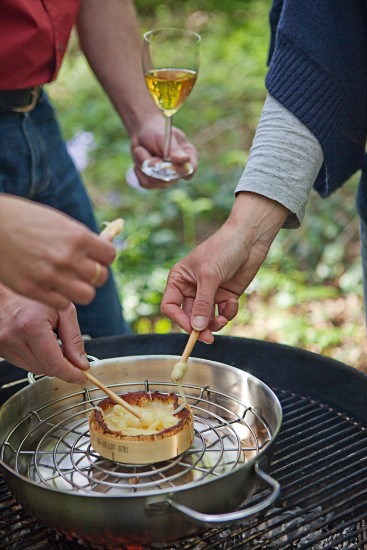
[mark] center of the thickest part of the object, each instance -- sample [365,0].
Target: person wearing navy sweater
[312,133]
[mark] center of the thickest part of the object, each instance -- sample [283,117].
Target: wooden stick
[112,229]
[189,346]
[111,394]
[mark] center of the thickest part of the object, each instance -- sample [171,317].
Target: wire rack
[51,444]
[324,508]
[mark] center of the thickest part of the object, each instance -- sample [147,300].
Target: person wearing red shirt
[48,246]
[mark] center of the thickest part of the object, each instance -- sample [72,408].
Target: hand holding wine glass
[170,64]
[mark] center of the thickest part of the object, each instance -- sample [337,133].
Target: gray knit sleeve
[284,161]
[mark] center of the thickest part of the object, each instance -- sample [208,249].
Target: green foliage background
[315,264]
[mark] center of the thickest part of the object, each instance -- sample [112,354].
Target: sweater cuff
[284,161]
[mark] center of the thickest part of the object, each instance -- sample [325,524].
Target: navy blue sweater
[318,70]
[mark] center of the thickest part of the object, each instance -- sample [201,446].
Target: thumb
[71,338]
[201,311]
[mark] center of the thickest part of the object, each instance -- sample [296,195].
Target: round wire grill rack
[51,444]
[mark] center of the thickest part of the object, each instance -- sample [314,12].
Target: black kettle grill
[319,459]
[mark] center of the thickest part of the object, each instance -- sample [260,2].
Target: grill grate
[51,445]
[320,460]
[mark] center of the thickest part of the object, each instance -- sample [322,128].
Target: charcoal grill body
[277,365]
[320,456]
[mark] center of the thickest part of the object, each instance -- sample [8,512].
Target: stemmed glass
[170,64]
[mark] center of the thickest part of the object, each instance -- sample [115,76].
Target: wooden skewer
[190,345]
[112,229]
[111,394]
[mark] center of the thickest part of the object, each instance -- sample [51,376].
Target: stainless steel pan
[54,473]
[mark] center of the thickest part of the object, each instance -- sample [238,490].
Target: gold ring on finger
[97,274]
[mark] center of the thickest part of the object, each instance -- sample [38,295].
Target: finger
[43,355]
[171,308]
[59,366]
[182,151]
[79,292]
[178,155]
[177,315]
[202,311]
[100,250]
[141,154]
[93,272]
[228,309]
[206,336]
[216,324]
[50,296]
[85,270]
[187,305]
[79,285]
[66,288]
[171,303]
[71,338]
[184,168]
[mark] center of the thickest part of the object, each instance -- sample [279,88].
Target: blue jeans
[363,237]
[35,164]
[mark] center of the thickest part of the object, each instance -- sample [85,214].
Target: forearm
[110,38]
[256,219]
[284,161]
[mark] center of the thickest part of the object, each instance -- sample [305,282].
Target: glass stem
[167,138]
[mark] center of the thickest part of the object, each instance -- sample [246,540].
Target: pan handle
[232,517]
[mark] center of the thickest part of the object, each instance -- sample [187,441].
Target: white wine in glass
[170,64]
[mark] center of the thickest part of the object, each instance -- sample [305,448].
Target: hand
[109,32]
[28,340]
[148,143]
[48,256]
[203,289]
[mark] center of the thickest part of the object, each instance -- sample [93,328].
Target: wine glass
[170,64]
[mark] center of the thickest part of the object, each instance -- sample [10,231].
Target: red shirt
[33,39]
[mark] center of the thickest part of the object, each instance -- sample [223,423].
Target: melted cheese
[177,374]
[155,417]
[178,371]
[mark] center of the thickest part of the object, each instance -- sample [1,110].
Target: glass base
[165,170]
